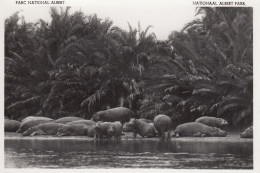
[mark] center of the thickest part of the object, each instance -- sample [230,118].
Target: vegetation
[79,64]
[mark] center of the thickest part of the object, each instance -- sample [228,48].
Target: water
[87,153]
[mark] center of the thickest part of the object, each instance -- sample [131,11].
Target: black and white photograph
[108,84]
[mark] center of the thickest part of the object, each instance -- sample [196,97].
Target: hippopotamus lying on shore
[142,128]
[73,130]
[195,129]
[115,129]
[212,121]
[100,129]
[116,114]
[163,124]
[66,120]
[43,129]
[29,118]
[129,128]
[11,125]
[248,133]
[31,123]
[86,122]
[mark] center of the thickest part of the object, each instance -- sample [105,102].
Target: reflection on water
[127,154]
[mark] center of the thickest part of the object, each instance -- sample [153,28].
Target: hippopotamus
[11,125]
[73,130]
[142,128]
[43,129]
[163,124]
[86,122]
[115,129]
[248,133]
[129,128]
[212,121]
[31,123]
[195,129]
[115,114]
[91,130]
[66,120]
[146,120]
[100,129]
[35,118]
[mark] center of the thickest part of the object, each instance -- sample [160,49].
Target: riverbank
[231,137]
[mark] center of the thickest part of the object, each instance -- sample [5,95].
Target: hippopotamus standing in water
[212,121]
[11,125]
[100,130]
[73,130]
[115,129]
[91,130]
[142,128]
[162,124]
[248,133]
[129,127]
[66,120]
[43,129]
[116,114]
[31,123]
[195,129]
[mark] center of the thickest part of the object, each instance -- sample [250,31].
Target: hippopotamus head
[91,131]
[248,133]
[128,127]
[97,129]
[223,122]
[219,132]
[62,131]
[96,117]
[243,134]
[132,123]
[111,130]
[28,131]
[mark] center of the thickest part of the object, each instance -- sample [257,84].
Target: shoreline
[232,137]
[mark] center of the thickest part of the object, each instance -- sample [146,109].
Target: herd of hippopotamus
[113,122]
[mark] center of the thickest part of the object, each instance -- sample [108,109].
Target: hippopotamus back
[162,124]
[31,123]
[146,120]
[11,125]
[121,114]
[43,129]
[248,133]
[212,121]
[198,129]
[86,122]
[29,118]
[73,130]
[66,120]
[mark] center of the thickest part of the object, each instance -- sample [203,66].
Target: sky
[164,15]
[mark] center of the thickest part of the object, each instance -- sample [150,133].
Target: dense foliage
[78,64]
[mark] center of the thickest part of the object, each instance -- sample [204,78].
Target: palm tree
[207,76]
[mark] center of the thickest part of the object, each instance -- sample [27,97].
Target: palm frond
[24,104]
[205,92]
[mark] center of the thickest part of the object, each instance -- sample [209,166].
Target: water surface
[141,153]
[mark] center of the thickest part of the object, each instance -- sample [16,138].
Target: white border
[182,3]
